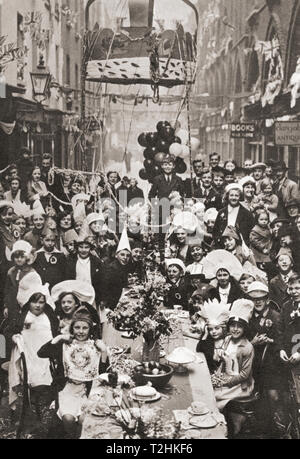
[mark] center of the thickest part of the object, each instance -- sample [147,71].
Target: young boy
[50,262]
[168,181]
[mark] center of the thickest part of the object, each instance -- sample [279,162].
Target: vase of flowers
[151,348]
[141,314]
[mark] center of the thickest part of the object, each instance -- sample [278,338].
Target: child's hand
[100,345]
[266,251]
[15,338]
[65,338]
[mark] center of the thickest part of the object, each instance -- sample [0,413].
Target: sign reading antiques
[287,133]
[243,130]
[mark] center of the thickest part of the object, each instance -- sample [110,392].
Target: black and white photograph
[149,222]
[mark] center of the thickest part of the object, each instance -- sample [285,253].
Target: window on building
[76,82]
[68,70]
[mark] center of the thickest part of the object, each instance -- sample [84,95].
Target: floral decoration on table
[140,312]
[144,423]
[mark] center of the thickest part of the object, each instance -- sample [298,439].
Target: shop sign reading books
[287,133]
[243,130]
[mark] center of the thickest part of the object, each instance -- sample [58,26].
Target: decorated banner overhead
[146,52]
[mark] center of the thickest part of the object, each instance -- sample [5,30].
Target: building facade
[52,29]
[248,51]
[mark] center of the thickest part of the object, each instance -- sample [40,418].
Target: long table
[182,390]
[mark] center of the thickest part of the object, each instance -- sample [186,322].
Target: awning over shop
[280,108]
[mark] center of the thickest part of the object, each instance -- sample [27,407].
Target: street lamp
[40,82]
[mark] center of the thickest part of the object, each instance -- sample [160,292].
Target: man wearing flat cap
[284,188]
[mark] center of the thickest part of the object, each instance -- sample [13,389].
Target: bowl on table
[159,375]
[180,357]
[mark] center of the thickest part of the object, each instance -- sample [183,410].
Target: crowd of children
[230,254]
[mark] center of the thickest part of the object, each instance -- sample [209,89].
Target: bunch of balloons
[161,143]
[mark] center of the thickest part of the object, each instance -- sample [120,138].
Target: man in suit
[234,214]
[168,181]
[284,188]
[279,283]
[205,191]
[198,165]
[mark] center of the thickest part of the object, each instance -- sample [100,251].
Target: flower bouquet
[142,314]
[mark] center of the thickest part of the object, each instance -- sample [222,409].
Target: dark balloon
[163,145]
[167,133]
[157,170]
[151,139]
[150,152]
[177,139]
[148,165]
[142,139]
[161,125]
[143,174]
[181,167]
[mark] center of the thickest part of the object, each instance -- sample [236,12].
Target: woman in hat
[237,358]
[105,241]
[234,214]
[216,316]
[178,292]
[233,244]
[79,360]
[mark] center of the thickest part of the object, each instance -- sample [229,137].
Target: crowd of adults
[229,250]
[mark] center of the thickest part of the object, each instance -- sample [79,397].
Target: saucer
[144,399]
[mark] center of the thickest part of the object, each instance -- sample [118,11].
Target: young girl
[195,253]
[36,326]
[216,316]
[237,355]
[69,296]
[261,239]
[21,273]
[233,244]
[79,359]
[268,199]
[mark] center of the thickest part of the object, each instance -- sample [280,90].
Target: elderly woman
[234,214]
[251,201]
[178,292]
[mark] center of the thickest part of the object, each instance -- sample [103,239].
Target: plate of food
[203,422]
[101,410]
[144,394]
[198,409]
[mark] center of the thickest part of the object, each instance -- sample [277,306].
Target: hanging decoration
[32,24]
[295,85]
[271,52]
[142,55]
[71,16]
